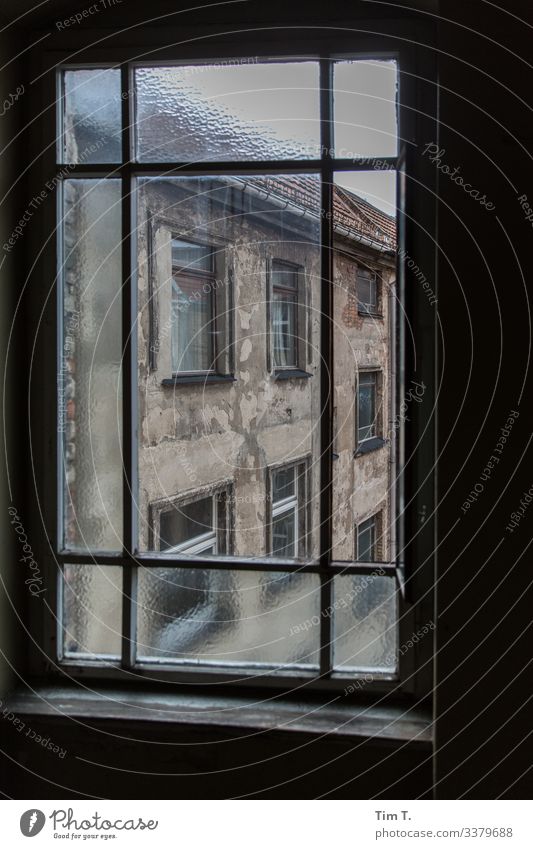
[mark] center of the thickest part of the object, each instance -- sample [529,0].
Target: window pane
[365,623]
[366,289]
[228,617]
[283,534]
[92,610]
[192,324]
[366,541]
[92,116]
[245,110]
[284,275]
[283,484]
[364,240]
[89,384]
[365,108]
[367,407]
[186,256]
[185,521]
[199,433]
[284,337]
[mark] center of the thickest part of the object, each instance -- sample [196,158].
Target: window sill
[290,373]
[197,379]
[393,725]
[369,445]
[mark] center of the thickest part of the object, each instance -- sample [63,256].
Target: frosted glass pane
[239,111]
[92,610]
[89,386]
[228,617]
[365,108]
[92,116]
[365,617]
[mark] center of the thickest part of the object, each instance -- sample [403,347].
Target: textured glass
[365,114]
[229,618]
[92,610]
[238,111]
[226,431]
[192,327]
[92,116]
[284,336]
[89,386]
[365,623]
[283,483]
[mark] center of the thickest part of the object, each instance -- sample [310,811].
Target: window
[193,283]
[367,291]
[367,537]
[288,511]
[367,406]
[196,258]
[284,314]
[197,524]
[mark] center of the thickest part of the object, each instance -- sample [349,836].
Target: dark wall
[483,583]
[485,273]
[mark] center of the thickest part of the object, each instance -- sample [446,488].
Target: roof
[352,214]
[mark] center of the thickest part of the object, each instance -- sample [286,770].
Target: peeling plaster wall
[195,435]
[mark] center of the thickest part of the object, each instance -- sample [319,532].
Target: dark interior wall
[483,585]
[12,93]
[485,272]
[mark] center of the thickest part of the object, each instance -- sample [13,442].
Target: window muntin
[139,654]
[284,314]
[367,405]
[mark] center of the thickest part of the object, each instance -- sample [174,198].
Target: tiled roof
[351,212]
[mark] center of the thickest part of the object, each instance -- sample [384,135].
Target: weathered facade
[232,434]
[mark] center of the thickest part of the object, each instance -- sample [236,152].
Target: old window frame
[221,493]
[374,308]
[295,305]
[394,41]
[299,503]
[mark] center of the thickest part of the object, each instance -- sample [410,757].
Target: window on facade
[367,291]
[223,541]
[288,511]
[367,406]
[366,542]
[193,282]
[284,314]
